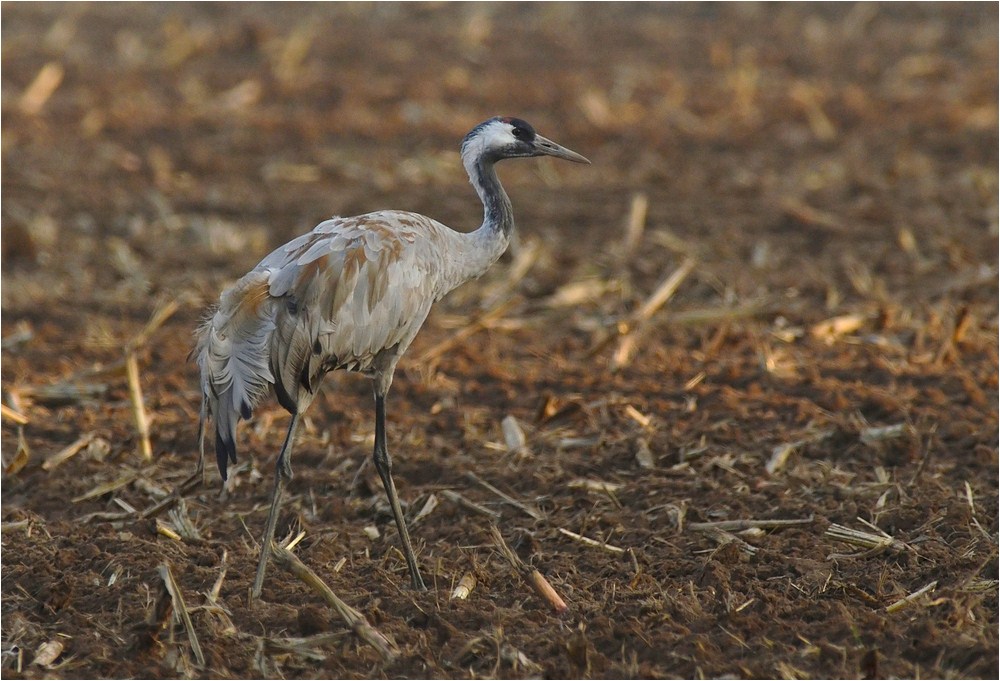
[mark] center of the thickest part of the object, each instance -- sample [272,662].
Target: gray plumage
[351,294]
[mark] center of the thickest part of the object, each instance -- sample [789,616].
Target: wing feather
[350,294]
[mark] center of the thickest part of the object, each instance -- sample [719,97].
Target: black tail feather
[225,452]
[226,419]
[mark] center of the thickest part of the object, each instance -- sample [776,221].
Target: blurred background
[143,136]
[789,230]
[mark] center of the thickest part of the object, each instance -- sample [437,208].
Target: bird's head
[506,137]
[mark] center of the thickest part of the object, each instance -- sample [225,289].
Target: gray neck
[498,214]
[477,250]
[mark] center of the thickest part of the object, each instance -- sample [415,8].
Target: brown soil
[832,173]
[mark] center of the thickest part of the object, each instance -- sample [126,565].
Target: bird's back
[351,294]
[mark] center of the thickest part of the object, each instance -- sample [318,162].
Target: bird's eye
[520,133]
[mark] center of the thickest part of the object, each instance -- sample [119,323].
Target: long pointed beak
[547,147]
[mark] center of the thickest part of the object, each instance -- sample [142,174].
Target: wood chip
[665,291]
[809,98]
[831,329]
[577,292]
[292,542]
[182,522]
[516,659]
[47,653]
[631,329]
[801,212]
[911,598]
[292,55]
[64,393]
[871,436]
[159,317]
[637,416]
[213,595]
[19,335]
[426,509]
[513,435]
[874,544]
[166,531]
[547,592]
[534,578]
[591,542]
[531,511]
[186,486]
[636,223]
[601,486]
[643,454]
[354,619]
[107,487]
[65,454]
[11,415]
[16,525]
[305,648]
[469,505]
[138,406]
[722,538]
[780,453]
[577,442]
[739,525]
[779,456]
[21,456]
[41,88]
[465,587]
[178,600]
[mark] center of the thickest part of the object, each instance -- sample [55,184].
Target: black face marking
[522,130]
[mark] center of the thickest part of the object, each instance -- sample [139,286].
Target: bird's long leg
[383,464]
[282,473]
[200,469]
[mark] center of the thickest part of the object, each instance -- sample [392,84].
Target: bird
[349,295]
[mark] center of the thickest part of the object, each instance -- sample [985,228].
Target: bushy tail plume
[233,353]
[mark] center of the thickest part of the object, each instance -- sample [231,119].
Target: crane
[349,295]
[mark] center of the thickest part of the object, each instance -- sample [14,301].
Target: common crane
[351,294]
